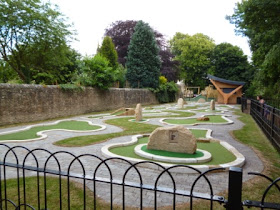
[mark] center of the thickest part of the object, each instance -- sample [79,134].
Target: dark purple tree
[121,32]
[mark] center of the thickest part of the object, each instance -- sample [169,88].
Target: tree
[121,33]
[193,53]
[143,62]
[259,21]
[108,51]
[95,72]
[229,62]
[33,37]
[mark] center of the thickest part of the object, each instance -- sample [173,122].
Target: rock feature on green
[172,139]
[143,61]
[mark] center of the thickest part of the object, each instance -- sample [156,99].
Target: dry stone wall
[27,103]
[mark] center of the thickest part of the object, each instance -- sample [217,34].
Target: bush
[166,92]
[95,72]
[71,87]
[162,80]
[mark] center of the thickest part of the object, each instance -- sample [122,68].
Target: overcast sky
[91,17]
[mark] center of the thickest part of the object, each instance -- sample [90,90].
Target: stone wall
[27,103]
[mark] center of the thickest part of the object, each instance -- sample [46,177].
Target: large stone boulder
[201,100]
[180,103]
[212,105]
[173,139]
[203,119]
[138,112]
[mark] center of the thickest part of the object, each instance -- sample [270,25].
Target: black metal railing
[104,176]
[267,117]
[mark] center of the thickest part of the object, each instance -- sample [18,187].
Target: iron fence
[267,117]
[20,163]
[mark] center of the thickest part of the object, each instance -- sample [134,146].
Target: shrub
[162,80]
[166,93]
[95,72]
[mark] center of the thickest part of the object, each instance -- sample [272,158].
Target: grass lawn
[212,119]
[220,154]
[254,189]
[31,133]
[129,128]
[76,194]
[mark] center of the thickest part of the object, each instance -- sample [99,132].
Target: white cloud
[168,17]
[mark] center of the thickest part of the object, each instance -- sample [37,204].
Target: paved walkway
[184,181]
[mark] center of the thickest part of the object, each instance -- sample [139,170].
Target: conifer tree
[143,61]
[108,51]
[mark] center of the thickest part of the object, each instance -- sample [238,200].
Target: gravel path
[183,181]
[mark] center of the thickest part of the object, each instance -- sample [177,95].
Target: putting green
[220,155]
[212,119]
[32,132]
[171,154]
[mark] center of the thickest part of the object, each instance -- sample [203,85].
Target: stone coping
[238,162]
[42,134]
[201,122]
[205,158]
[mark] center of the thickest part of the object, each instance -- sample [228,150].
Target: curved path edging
[42,133]
[239,162]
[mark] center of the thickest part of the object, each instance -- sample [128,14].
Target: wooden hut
[229,92]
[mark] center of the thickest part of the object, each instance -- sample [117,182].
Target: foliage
[6,72]
[108,51]
[95,72]
[193,53]
[33,38]
[119,75]
[143,62]
[229,62]
[259,21]
[169,66]
[162,80]
[166,92]
[121,33]
[71,87]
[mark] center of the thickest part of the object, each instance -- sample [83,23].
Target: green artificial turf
[212,119]
[31,133]
[220,155]
[171,154]
[130,128]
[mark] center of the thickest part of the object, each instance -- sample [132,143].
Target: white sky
[91,17]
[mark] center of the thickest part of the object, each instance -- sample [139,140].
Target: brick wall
[27,103]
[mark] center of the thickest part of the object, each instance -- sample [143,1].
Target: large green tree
[193,53]
[143,61]
[259,21]
[108,51]
[229,62]
[121,33]
[33,38]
